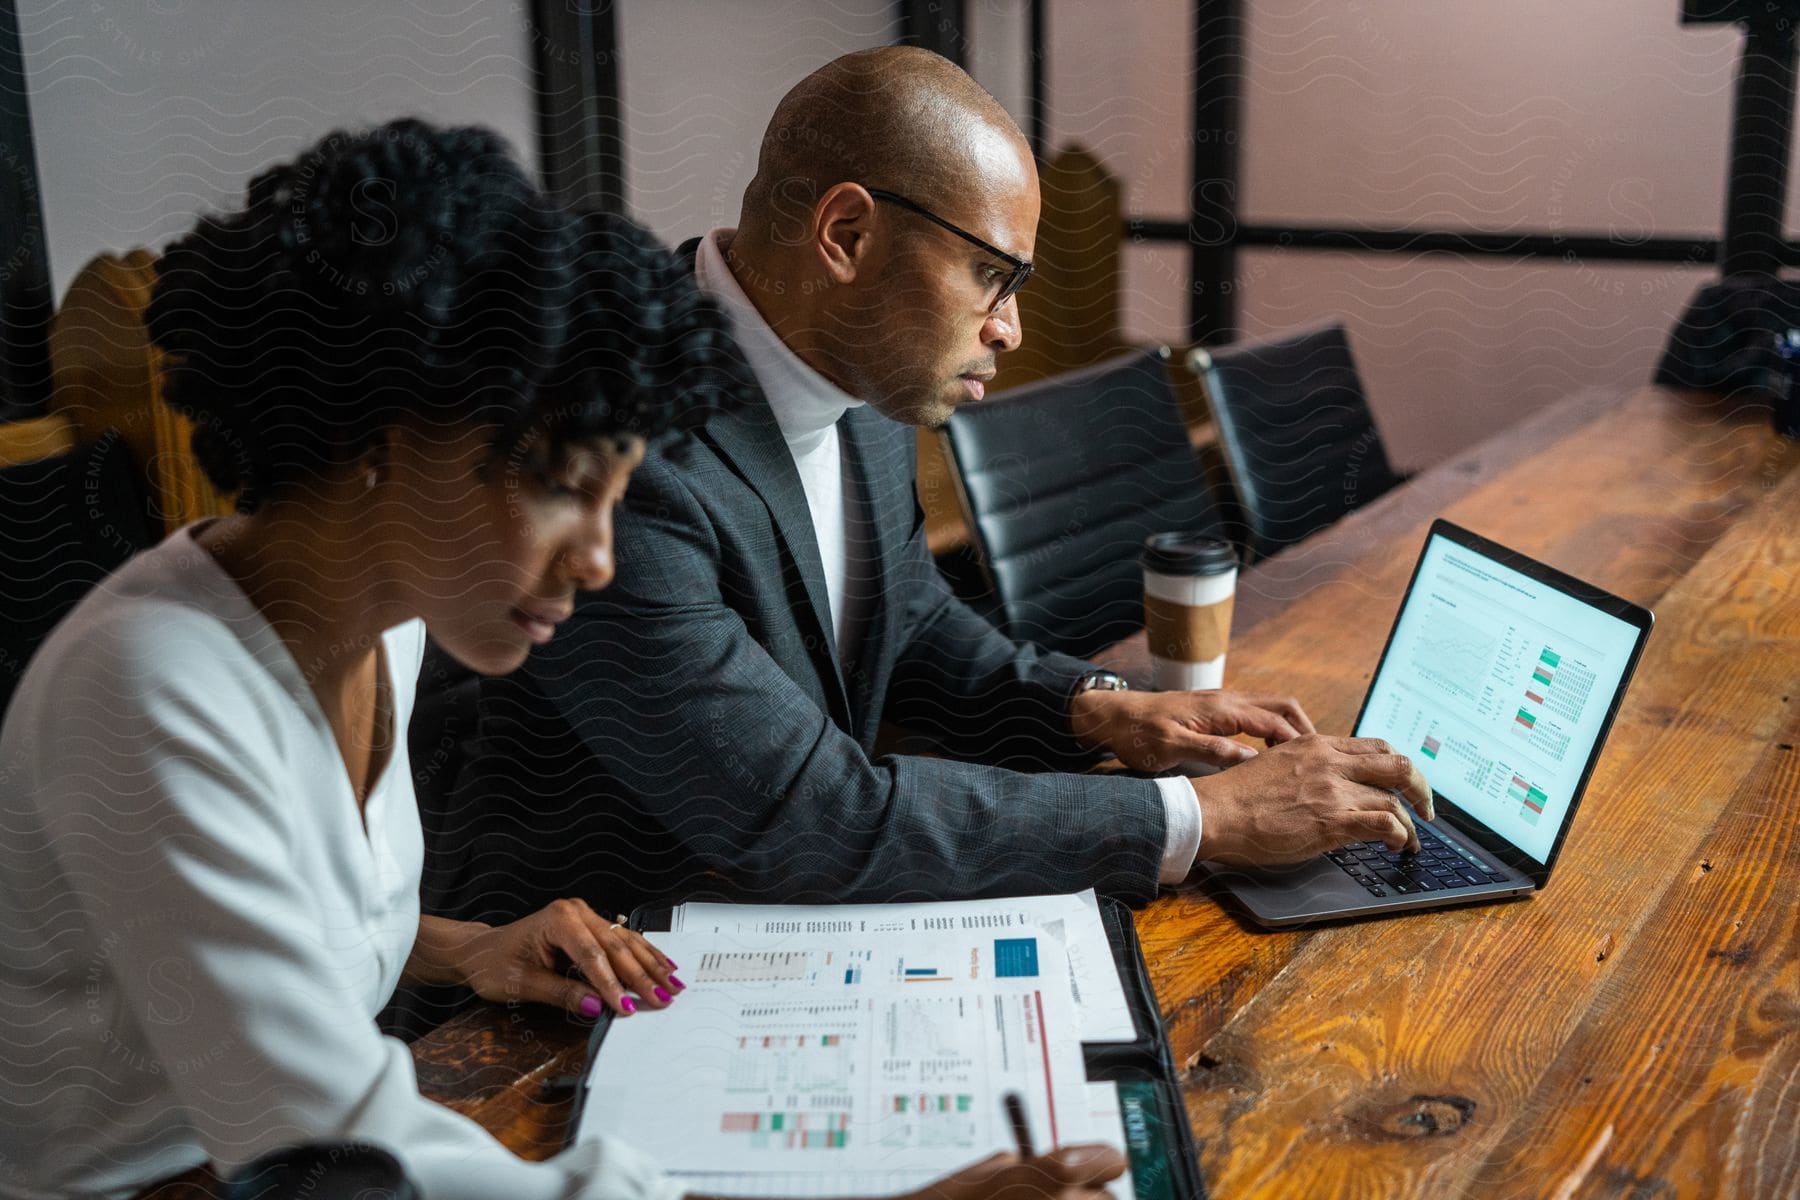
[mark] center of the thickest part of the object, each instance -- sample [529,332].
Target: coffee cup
[1190,580]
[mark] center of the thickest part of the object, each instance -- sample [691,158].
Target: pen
[1015,1112]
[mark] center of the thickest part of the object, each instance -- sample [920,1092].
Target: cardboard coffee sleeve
[1189,584]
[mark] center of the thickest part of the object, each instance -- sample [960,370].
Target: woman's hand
[1067,1174]
[1071,1173]
[526,961]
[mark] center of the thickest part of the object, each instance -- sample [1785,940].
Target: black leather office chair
[324,1171]
[65,523]
[1062,480]
[1296,432]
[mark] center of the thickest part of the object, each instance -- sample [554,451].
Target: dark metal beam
[1566,246]
[938,25]
[1037,112]
[575,54]
[1212,216]
[1762,127]
[25,301]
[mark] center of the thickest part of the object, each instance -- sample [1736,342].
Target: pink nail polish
[590,1006]
[679,986]
[628,1004]
[661,994]
[672,965]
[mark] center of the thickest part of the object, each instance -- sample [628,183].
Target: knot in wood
[1418,1116]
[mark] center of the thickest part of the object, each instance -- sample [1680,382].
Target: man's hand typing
[1308,796]
[1154,731]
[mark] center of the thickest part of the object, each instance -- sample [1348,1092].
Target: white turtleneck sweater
[807,407]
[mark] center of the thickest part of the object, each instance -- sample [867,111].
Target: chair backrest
[1070,312]
[66,520]
[1063,479]
[323,1171]
[107,376]
[105,474]
[1298,439]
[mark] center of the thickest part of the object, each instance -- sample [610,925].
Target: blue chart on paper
[1015,957]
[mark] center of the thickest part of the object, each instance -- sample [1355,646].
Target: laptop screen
[1499,685]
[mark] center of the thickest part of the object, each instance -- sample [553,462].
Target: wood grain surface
[1617,1036]
[1471,1051]
[1634,1031]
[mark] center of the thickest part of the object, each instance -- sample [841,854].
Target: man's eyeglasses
[1009,284]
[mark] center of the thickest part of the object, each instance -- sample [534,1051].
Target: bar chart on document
[1494,683]
[791,1084]
[826,1055]
[1072,921]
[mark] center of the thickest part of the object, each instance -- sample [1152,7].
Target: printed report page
[867,1062]
[1072,920]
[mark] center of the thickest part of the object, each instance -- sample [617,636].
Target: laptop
[1500,678]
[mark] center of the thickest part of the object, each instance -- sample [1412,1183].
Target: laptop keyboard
[1439,866]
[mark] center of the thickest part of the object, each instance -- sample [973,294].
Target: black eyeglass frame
[1021,268]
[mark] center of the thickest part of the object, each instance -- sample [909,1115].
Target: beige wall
[1538,116]
[146,111]
[1542,115]
[699,79]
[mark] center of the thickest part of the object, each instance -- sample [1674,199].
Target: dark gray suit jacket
[690,730]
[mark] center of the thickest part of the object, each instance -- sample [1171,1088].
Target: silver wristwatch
[1101,680]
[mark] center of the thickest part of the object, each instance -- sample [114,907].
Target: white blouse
[195,929]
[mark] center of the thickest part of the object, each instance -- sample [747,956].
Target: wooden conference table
[1635,1030]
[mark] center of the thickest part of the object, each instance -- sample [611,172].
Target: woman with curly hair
[431,386]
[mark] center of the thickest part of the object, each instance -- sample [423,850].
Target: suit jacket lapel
[751,441]
[884,490]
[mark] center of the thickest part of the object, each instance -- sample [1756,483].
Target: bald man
[707,724]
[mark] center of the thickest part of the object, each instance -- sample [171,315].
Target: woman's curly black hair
[647,354]
[411,273]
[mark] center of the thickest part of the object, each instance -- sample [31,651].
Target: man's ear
[844,230]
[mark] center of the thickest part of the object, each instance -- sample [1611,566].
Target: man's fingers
[1384,774]
[1219,751]
[1288,709]
[1175,742]
[1361,745]
[1418,793]
[1299,720]
[1267,723]
[1384,827]
[1406,819]
[1382,771]
[1392,772]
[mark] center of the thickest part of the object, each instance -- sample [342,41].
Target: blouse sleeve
[167,817]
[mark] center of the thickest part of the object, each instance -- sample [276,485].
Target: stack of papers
[863,1050]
